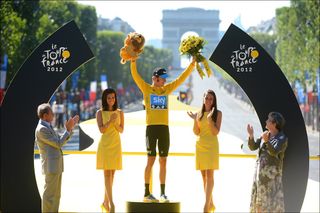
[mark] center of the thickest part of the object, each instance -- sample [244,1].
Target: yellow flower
[192,46]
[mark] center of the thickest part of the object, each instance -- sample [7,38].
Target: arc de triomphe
[177,22]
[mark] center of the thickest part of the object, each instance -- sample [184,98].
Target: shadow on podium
[140,206]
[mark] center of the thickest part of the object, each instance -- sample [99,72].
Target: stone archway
[176,22]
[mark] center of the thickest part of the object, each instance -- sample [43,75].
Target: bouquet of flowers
[192,46]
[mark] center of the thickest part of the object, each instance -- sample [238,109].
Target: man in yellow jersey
[156,104]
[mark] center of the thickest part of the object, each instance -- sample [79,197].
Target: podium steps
[140,206]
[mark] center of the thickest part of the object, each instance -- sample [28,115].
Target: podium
[140,206]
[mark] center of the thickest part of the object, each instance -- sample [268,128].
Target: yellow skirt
[109,154]
[207,154]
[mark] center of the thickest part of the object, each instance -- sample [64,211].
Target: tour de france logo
[243,58]
[54,58]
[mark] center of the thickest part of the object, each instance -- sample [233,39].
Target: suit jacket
[49,143]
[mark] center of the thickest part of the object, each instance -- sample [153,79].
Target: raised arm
[136,76]
[181,78]
[44,135]
[253,145]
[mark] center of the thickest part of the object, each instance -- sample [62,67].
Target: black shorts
[160,134]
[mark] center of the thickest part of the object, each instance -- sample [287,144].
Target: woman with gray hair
[267,189]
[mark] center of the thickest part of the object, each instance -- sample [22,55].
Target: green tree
[151,58]
[298,39]
[268,42]
[26,17]
[109,44]
[54,14]
[12,27]
[108,58]
[88,26]
[24,24]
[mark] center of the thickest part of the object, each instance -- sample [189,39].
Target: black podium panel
[140,206]
[269,90]
[35,82]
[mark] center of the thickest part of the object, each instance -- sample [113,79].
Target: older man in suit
[50,143]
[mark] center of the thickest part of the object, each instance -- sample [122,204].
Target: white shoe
[150,199]
[164,199]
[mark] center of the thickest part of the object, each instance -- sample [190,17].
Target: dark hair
[44,108]
[278,119]
[105,93]
[215,112]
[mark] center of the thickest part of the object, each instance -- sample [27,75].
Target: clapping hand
[192,115]
[72,122]
[250,130]
[265,136]
[209,116]
[113,117]
[76,119]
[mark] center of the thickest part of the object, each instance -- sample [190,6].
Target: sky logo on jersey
[158,102]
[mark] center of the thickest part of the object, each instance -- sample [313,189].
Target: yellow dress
[109,153]
[207,147]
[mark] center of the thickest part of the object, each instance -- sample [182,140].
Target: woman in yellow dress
[110,121]
[207,123]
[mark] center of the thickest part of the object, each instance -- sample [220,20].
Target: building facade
[176,23]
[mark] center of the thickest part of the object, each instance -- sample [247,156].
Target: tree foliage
[152,58]
[53,14]
[109,44]
[268,42]
[25,24]
[88,26]
[298,39]
[108,58]
[19,22]
[12,27]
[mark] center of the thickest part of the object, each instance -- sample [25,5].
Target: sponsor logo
[158,102]
[53,59]
[243,58]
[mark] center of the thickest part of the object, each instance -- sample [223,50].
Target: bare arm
[196,129]
[214,126]
[120,127]
[102,127]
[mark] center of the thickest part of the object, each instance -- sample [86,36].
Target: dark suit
[49,144]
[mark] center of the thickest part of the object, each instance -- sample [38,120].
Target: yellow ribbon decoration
[200,71]
[207,67]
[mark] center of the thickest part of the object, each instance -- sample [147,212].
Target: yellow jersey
[156,98]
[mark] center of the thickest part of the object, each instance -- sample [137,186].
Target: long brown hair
[215,112]
[105,93]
